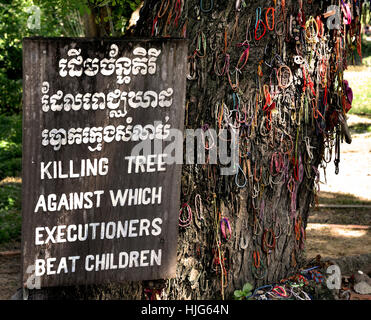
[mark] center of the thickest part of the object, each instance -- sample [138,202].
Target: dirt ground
[345,232]
[336,233]
[354,177]
[10,268]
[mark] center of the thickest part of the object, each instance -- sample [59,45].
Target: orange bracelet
[266,18]
[160,15]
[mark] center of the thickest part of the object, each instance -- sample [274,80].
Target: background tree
[280,82]
[68,18]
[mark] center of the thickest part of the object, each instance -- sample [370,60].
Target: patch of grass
[360,81]
[360,128]
[359,77]
[341,199]
[10,210]
[354,216]
[367,61]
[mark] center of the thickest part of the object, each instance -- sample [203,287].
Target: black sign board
[100,203]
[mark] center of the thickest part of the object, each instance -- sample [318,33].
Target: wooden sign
[96,210]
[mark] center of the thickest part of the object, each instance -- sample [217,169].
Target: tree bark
[92,29]
[199,268]
[209,266]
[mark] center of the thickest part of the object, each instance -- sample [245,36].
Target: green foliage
[245,293]
[13,28]
[10,165]
[62,17]
[10,146]
[355,59]
[114,14]
[57,18]
[359,78]
[10,211]
[10,94]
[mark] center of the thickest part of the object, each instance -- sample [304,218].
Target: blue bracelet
[209,9]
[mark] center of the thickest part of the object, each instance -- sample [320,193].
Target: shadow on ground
[339,232]
[338,198]
[360,128]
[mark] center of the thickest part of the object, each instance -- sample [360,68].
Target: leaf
[134,6]
[247,288]
[82,7]
[104,3]
[238,293]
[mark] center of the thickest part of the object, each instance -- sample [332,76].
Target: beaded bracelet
[297,295]
[208,9]
[234,86]
[284,76]
[255,175]
[280,291]
[257,24]
[266,246]
[201,43]
[311,30]
[224,223]
[277,235]
[347,14]
[239,169]
[257,28]
[205,131]
[244,242]
[225,68]
[280,28]
[185,223]
[256,257]
[244,57]
[192,69]
[271,9]
[316,276]
[178,12]
[199,207]
[255,293]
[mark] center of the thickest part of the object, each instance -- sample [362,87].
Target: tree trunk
[202,271]
[269,210]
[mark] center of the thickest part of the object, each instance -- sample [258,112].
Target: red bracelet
[244,57]
[256,257]
[257,28]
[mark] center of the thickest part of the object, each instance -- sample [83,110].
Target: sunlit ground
[346,231]
[355,163]
[334,241]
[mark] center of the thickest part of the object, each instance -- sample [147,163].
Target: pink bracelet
[347,14]
[187,222]
[223,223]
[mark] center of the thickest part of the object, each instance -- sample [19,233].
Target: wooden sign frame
[92,212]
